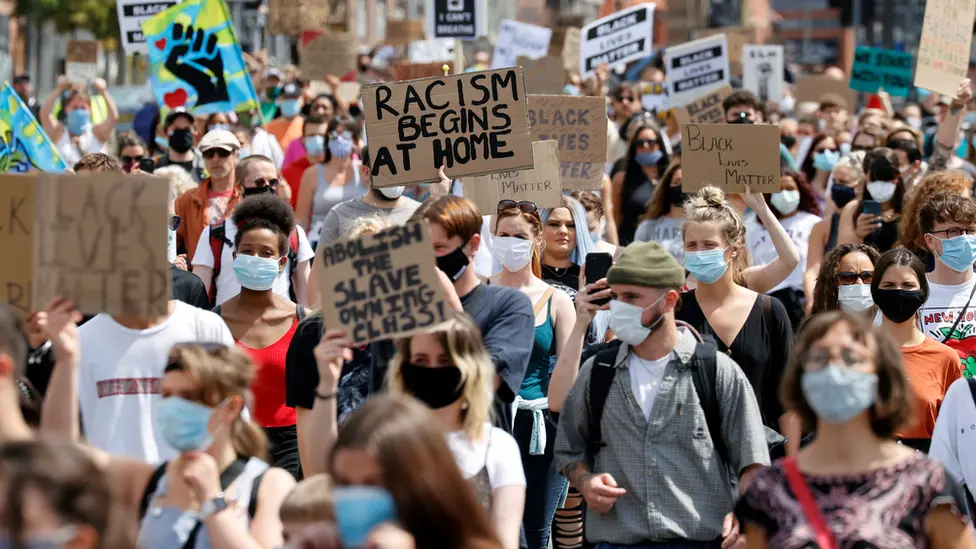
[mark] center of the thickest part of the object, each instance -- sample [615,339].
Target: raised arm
[103,131]
[762,278]
[568,358]
[815,251]
[52,127]
[319,427]
[947,136]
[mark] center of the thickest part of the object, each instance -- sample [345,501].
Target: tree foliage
[96,16]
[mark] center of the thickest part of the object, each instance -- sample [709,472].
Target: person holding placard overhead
[76,135]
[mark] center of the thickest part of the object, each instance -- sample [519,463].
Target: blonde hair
[462,342]
[370,224]
[310,501]
[179,180]
[220,374]
[709,205]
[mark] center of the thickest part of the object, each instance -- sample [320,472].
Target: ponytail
[248,439]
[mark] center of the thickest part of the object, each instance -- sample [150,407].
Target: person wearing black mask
[664,216]
[741,107]
[182,133]
[899,288]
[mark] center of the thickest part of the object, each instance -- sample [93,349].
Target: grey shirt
[677,487]
[342,216]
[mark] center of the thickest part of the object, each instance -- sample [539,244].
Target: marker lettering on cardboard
[731,157]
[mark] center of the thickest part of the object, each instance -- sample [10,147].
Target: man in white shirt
[256,175]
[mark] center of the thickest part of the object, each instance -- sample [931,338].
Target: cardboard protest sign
[461,19]
[621,37]
[737,39]
[944,47]
[819,88]
[412,71]
[730,156]
[539,185]
[325,53]
[132,13]
[706,109]
[519,39]
[24,146]
[470,123]
[565,43]
[654,97]
[101,241]
[401,32]
[696,66]
[81,61]
[579,126]
[437,50]
[381,286]
[762,71]
[348,91]
[18,203]
[545,75]
[291,17]
[880,69]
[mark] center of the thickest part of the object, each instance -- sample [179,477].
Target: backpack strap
[292,262]
[300,312]
[704,369]
[252,506]
[601,379]
[218,234]
[150,489]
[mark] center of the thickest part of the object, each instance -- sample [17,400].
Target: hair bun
[712,196]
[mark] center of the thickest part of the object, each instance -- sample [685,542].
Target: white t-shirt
[762,251]
[87,144]
[939,313]
[954,437]
[120,376]
[645,380]
[500,452]
[227,284]
[666,231]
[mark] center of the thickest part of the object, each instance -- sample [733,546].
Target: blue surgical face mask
[49,540]
[78,121]
[315,145]
[359,510]
[340,146]
[183,424]
[838,394]
[256,273]
[845,149]
[224,127]
[826,160]
[959,253]
[290,107]
[162,142]
[570,89]
[707,266]
[648,158]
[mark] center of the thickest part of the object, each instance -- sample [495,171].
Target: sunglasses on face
[627,99]
[846,278]
[524,205]
[174,222]
[210,154]
[644,143]
[132,159]
[262,182]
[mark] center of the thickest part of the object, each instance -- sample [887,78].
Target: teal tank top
[535,384]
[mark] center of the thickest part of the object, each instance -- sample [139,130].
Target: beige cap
[219,139]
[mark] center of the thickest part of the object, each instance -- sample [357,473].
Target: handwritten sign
[545,75]
[565,43]
[325,52]
[621,37]
[100,240]
[412,71]
[762,71]
[81,61]
[818,89]
[471,124]
[696,66]
[706,109]
[876,69]
[381,286]
[291,17]
[17,200]
[401,32]
[579,126]
[519,40]
[431,51]
[944,47]
[540,185]
[730,156]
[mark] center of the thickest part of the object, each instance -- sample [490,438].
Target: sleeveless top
[834,228]
[535,385]
[169,527]
[268,386]
[481,481]
[87,143]
[327,195]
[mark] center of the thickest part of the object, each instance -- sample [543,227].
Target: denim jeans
[543,483]
[676,544]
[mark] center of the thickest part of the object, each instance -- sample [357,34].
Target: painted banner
[197,61]
[880,69]
[621,37]
[23,144]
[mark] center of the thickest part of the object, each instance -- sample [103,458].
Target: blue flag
[23,144]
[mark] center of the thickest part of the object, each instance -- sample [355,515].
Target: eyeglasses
[641,143]
[956,232]
[524,205]
[132,159]
[174,222]
[846,278]
[210,153]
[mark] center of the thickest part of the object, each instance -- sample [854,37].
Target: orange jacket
[192,207]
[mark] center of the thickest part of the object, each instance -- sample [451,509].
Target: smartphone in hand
[597,266]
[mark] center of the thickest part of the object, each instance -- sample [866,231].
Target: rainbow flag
[23,144]
[196,60]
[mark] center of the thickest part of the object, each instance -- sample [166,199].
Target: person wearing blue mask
[847,383]
[288,127]
[75,135]
[646,160]
[823,156]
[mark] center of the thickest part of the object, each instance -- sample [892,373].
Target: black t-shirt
[188,288]
[565,279]
[761,348]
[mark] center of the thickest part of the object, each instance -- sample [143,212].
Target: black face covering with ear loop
[454,263]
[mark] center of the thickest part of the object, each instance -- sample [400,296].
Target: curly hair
[709,204]
[955,182]
[265,211]
[825,291]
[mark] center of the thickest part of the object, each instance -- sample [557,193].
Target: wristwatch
[214,506]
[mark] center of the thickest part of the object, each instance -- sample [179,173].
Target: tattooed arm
[947,136]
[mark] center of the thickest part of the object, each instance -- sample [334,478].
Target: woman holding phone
[877,214]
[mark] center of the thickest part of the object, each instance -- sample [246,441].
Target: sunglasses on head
[223,153]
[849,277]
[132,159]
[174,222]
[524,205]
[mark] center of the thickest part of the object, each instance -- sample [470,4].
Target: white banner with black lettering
[618,38]
[131,15]
[696,67]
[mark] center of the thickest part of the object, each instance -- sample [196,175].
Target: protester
[186,286]
[181,133]
[820,161]
[565,248]
[946,181]
[179,179]
[269,91]
[912,169]
[24,87]
[603,232]
[323,106]
[862,488]
[335,177]
[603,445]
[886,189]
[633,184]
[261,142]
[741,107]
[867,138]
[288,127]
[131,150]
[952,444]
[844,280]
[662,220]
[308,504]
[76,135]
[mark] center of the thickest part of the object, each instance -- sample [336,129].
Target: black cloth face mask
[181,140]
[435,387]
[898,305]
[454,263]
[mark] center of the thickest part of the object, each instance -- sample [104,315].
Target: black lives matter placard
[456,19]
[696,66]
[17,214]
[381,286]
[730,157]
[579,126]
[621,37]
[471,124]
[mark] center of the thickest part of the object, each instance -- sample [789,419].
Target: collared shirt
[677,487]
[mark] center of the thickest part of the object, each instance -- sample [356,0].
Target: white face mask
[882,191]
[392,193]
[855,298]
[786,202]
[514,253]
[788,104]
[625,321]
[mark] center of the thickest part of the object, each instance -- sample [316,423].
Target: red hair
[535,221]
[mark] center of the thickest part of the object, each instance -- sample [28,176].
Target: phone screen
[597,266]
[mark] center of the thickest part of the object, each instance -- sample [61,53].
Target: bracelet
[329,396]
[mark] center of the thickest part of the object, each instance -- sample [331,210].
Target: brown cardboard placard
[403,70]
[579,125]
[383,285]
[944,47]
[565,43]
[706,109]
[544,75]
[101,241]
[730,156]
[348,91]
[82,51]
[818,88]
[471,124]
[539,185]
[325,52]
[400,32]
[291,17]
[18,202]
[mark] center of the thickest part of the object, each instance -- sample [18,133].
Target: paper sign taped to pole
[381,286]
[18,202]
[762,71]
[620,37]
[696,66]
[730,157]
[579,126]
[539,185]
[471,124]
[944,47]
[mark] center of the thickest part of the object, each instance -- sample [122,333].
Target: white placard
[431,51]
[519,39]
[762,71]
[618,38]
[694,67]
[81,72]
[131,15]
[461,19]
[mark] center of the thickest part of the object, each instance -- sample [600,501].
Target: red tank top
[268,387]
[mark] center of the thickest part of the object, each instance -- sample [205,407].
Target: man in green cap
[656,432]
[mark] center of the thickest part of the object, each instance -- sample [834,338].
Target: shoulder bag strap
[541,304]
[150,489]
[825,539]
[226,478]
[962,313]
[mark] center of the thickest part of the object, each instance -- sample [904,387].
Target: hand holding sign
[198,63]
